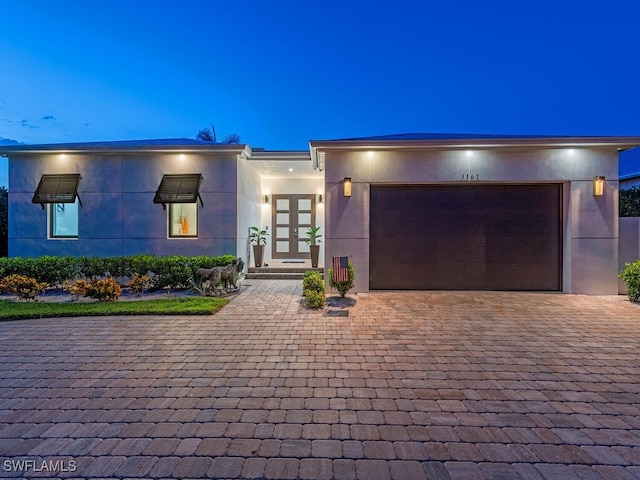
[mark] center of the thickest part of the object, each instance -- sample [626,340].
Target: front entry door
[292,216]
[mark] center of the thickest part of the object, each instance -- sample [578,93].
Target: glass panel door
[292,216]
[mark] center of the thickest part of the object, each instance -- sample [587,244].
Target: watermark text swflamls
[39,465]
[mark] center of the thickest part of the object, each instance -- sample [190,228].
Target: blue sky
[280,73]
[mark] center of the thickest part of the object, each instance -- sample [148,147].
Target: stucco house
[417,211]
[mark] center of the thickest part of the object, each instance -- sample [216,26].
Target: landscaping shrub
[142,264]
[343,287]
[314,299]
[56,270]
[312,282]
[103,290]
[117,267]
[77,288]
[630,275]
[19,266]
[139,283]
[91,267]
[204,261]
[25,287]
[174,271]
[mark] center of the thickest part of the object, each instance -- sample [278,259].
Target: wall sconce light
[320,198]
[346,183]
[598,186]
[266,199]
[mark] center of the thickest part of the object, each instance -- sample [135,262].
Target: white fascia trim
[621,143]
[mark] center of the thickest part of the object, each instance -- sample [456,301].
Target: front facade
[475,212]
[446,212]
[127,199]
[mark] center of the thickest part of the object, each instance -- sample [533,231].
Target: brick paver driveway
[410,385]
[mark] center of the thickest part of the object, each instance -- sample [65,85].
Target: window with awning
[181,193]
[179,189]
[58,189]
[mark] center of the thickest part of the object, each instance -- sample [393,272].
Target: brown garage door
[466,237]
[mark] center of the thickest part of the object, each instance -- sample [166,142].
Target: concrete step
[280,273]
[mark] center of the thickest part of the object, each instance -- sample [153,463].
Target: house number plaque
[470,177]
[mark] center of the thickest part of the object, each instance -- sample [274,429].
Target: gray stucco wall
[629,245]
[118,216]
[249,207]
[590,253]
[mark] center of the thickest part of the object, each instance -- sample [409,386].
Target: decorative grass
[165,306]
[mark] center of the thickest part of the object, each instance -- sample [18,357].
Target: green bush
[20,266]
[315,299]
[343,287]
[173,271]
[141,264]
[91,267]
[312,282]
[630,275]
[117,267]
[47,269]
[55,270]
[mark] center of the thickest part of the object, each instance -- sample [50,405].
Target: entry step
[280,273]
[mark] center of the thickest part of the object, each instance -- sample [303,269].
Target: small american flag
[340,269]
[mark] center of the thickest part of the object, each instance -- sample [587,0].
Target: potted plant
[313,240]
[258,238]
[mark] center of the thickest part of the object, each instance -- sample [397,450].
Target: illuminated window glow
[183,220]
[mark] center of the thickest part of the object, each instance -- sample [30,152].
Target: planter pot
[315,253]
[258,255]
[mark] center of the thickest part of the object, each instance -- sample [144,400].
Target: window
[183,220]
[63,220]
[181,194]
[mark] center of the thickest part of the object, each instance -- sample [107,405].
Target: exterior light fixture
[598,186]
[320,198]
[266,199]
[346,183]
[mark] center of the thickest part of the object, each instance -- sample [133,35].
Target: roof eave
[53,148]
[621,143]
[286,155]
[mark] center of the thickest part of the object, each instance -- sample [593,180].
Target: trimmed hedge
[172,271]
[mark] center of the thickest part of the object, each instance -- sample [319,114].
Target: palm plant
[313,237]
[257,236]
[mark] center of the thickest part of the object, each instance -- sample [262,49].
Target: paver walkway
[411,385]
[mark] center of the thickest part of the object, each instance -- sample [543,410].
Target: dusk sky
[281,73]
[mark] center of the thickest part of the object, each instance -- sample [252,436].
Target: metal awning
[179,189]
[61,188]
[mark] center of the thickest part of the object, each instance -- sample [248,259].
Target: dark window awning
[179,189]
[57,189]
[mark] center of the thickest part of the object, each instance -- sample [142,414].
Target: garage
[466,237]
